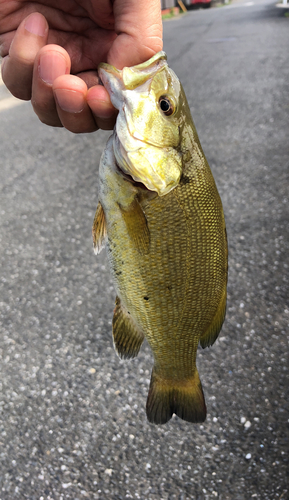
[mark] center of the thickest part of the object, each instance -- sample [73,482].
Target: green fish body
[161,219]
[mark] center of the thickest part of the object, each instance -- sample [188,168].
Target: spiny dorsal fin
[99,229]
[137,226]
[127,337]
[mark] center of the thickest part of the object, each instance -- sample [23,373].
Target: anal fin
[98,229]
[211,334]
[137,226]
[185,398]
[127,336]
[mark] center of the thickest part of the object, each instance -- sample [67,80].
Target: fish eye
[166,105]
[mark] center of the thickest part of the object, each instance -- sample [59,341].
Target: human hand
[51,51]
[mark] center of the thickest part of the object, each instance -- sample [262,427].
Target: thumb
[139,29]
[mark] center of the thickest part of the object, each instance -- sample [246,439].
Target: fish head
[147,134]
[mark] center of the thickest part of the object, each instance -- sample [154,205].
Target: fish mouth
[130,77]
[140,159]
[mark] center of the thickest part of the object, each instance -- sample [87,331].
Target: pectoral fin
[99,229]
[209,337]
[127,336]
[137,226]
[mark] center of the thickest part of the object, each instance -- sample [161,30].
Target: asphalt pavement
[72,418]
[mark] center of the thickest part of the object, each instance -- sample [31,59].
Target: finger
[17,69]
[139,28]
[5,42]
[73,110]
[91,78]
[51,62]
[100,104]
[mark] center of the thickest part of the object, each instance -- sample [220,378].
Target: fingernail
[69,100]
[51,65]
[36,24]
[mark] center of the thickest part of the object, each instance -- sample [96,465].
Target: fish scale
[165,238]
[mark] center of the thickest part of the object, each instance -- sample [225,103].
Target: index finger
[17,67]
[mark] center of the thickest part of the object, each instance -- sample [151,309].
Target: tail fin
[184,398]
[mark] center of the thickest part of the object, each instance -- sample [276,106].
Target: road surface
[72,422]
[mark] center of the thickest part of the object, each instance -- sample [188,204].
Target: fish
[161,220]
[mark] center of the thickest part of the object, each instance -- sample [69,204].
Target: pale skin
[51,50]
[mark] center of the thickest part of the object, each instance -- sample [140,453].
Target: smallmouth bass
[161,219]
